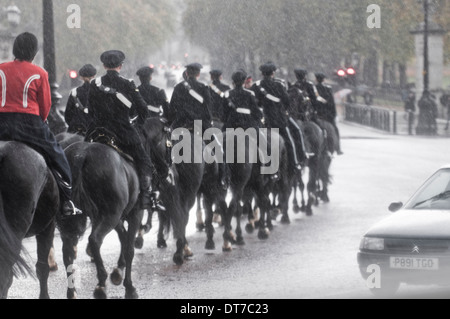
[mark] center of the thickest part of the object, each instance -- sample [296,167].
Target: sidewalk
[354,129]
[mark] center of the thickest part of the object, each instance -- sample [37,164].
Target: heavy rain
[362,92]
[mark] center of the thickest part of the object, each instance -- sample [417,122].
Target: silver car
[413,245]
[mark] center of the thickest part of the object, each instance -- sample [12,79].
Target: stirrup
[68,209]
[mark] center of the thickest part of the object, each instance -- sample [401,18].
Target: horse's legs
[51,260]
[161,242]
[99,232]
[117,274]
[143,229]
[312,184]
[134,221]
[235,210]
[44,244]
[200,224]
[69,250]
[180,234]
[208,203]
[263,202]
[228,237]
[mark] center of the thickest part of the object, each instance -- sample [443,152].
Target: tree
[137,28]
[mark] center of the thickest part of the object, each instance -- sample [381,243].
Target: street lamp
[56,121]
[427,107]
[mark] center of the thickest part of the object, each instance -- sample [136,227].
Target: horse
[248,184]
[316,146]
[186,179]
[332,146]
[29,202]
[315,143]
[213,195]
[106,188]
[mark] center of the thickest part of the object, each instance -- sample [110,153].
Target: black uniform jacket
[272,96]
[155,98]
[112,100]
[77,113]
[241,110]
[218,89]
[191,101]
[326,111]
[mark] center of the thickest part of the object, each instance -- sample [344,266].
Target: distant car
[413,245]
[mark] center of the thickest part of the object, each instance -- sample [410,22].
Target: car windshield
[434,194]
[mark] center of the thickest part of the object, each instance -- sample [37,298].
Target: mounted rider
[25,105]
[218,90]
[327,111]
[156,98]
[77,111]
[272,96]
[191,101]
[112,99]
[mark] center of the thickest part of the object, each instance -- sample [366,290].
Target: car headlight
[372,244]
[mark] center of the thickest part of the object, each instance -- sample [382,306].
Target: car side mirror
[395,207]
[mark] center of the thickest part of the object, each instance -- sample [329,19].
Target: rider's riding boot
[68,209]
[149,199]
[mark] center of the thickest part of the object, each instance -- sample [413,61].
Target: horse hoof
[309,212]
[303,209]
[297,209]
[210,245]
[161,243]
[263,234]
[227,247]
[187,252]
[240,241]
[54,267]
[285,220]
[100,292]
[249,228]
[116,277]
[131,294]
[200,227]
[139,243]
[178,259]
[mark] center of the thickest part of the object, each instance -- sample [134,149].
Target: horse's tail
[11,247]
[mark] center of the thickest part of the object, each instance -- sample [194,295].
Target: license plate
[414,263]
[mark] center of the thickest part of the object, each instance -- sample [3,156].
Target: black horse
[106,188]
[332,146]
[29,201]
[248,184]
[316,146]
[180,188]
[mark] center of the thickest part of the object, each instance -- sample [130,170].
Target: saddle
[104,136]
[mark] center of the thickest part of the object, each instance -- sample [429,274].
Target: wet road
[311,258]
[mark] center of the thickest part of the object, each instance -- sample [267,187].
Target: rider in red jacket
[25,102]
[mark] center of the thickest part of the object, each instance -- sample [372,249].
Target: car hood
[424,224]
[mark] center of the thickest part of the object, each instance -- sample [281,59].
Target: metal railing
[375,117]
